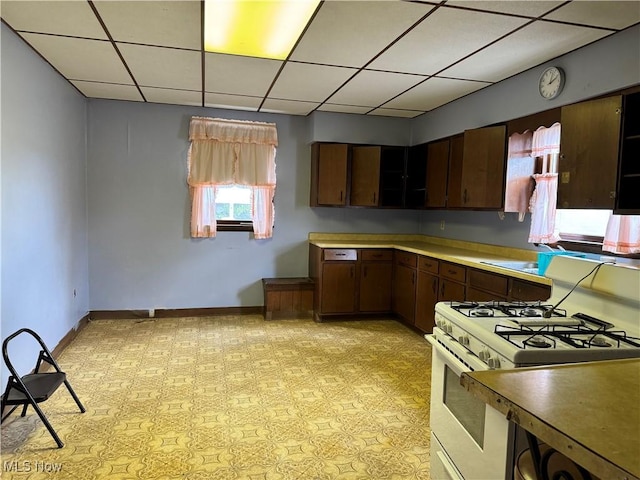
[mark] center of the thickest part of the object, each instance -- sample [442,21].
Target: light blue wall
[44,215]
[140,252]
[605,66]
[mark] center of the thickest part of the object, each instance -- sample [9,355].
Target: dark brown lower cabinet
[338,288]
[426,299]
[375,287]
[404,292]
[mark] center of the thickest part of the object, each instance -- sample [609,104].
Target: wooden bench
[288,297]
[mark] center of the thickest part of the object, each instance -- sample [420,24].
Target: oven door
[474,437]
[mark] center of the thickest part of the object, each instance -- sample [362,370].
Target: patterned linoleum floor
[233,398]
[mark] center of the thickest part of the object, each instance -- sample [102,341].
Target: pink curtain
[203,211]
[546,145]
[520,167]
[623,234]
[225,152]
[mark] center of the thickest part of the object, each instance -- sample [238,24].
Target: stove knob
[483,355]
[493,362]
[463,340]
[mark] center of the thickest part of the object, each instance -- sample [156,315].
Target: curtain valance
[233,131]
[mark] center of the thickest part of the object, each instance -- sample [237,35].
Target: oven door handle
[462,361]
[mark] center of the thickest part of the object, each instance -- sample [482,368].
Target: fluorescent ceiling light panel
[255,28]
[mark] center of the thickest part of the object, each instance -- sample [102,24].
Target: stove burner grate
[539,342]
[581,336]
[481,312]
[505,309]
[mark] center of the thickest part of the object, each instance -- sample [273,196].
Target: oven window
[469,410]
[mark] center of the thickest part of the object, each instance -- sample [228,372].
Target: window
[233,208]
[232,176]
[598,231]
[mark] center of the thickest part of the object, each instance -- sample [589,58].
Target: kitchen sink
[522,266]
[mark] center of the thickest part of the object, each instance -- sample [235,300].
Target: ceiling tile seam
[115,47]
[277,75]
[415,24]
[42,57]
[530,22]
[48,34]
[475,52]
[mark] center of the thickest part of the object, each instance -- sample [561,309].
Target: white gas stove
[598,320]
[593,314]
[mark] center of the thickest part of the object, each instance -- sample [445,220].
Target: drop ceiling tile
[390,112]
[161,23]
[438,47]
[609,14]
[234,102]
[289,107]
[108,90]
[330,107]
[238,75]
[81,59]
[351,33]
[75,19]
[174,97]
[433,93]
[303,81]
[528,8]
[531,46]
[372,88]
[163,67]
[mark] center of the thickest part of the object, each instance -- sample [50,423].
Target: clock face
[551,82]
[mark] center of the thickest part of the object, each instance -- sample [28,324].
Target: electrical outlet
[441,224]
[74,293]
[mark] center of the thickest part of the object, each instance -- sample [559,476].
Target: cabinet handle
[435,287]
[340,195]
[442,290]
[374,197]
[464,196]
[413,278]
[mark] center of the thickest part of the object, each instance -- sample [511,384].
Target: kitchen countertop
[465,253]
[589,412]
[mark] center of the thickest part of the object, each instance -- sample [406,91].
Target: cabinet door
[329,174]
[483,167]
[375,286]
[454,181]
[338,287]
[426,299]
[365,176]
[437,167]
[589,153]
[404,292]
[451,291]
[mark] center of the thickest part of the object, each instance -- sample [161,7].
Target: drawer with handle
[346,254]
[453,271]
[376,255]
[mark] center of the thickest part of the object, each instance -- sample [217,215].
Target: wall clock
[551,82]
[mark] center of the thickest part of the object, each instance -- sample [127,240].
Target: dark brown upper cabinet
[365,176]
[483,168]
[437,173]
[588,164]
[329,174]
